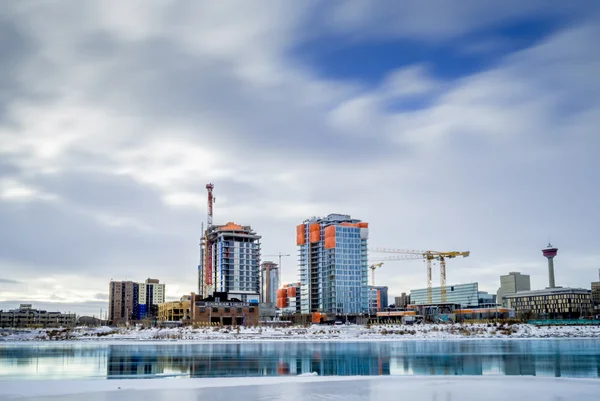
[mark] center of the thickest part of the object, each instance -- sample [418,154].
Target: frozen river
[95,360]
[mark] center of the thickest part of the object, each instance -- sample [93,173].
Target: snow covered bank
[312,333]
[464,388]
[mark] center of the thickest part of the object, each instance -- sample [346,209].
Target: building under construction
[229,259]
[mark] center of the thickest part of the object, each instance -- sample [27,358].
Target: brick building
[219,309]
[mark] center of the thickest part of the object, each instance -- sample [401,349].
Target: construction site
[334,261]
[229,259]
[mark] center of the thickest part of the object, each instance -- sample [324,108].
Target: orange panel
[300,229]
[315,236]
[316,317]
[291,292]
[363,225]
[300,239]
[315,227]
[349,224]
[378,299]
[330,231]
[281,302]
[231,226]
[329,242]
[281,293]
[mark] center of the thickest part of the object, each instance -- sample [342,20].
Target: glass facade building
[463,294]
[333,265]
[231,260]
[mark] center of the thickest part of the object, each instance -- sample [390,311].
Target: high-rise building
[232,262]
[270,281]
[333,265]
[402,301]
[383,297]
[512,283]
[596,294]
[150,295]
[378,296]
[122,301]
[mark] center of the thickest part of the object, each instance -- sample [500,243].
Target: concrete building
[150,295]
[512,283]
[26,316]
[269,281]
[288,299]
[333,265]
[460,294]
[175,311]
[231,262]
[123,298]
[551,303]
[221,309]
[402,301]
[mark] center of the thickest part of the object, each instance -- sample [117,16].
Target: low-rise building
[551,303]
[461,294]
[486,299]
[288,299]
[26,316]
[220,309]
[175,311]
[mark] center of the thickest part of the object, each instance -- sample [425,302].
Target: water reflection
[568,358]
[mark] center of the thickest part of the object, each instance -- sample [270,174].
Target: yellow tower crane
[427,256]
[373,267]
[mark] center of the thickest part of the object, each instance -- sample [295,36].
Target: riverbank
[310,333]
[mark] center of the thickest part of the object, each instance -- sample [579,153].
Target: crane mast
[428,256]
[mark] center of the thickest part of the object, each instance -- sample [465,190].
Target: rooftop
[549,291]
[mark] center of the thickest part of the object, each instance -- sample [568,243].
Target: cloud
[101,296]
[8,281]
[435,20]
[111,127]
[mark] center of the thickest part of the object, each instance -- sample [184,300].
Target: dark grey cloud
[101,296]
[9,281]
[15,47]
[53,235]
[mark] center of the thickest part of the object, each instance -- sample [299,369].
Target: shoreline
[315,333]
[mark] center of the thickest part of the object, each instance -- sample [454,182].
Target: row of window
[227,309]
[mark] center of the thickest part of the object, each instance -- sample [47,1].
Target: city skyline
[471,128]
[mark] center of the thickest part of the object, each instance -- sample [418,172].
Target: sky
[471,127]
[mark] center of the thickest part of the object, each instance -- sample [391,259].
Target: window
[215,309]
[227,309]
[251,310]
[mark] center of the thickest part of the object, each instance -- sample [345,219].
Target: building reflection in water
[543,358]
